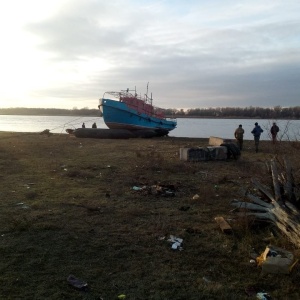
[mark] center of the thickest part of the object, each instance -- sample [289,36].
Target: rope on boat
[64,125]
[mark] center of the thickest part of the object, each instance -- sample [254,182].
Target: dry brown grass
[68,207]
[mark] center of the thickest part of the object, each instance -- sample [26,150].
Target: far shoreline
[168,116]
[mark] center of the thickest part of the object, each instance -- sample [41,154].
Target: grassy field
[69,206]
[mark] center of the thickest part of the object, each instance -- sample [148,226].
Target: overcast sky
[202,53]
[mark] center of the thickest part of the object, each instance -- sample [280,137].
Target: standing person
[94,125]
[83,125]
[256,133]
[274,130]
[239,135]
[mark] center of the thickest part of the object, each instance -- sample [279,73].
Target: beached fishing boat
[127,110]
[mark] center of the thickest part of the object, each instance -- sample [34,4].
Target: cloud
[193,53]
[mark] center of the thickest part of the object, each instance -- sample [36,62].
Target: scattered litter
[77,283]
[195,197]
[137,188]
[161,238]
[225,227]
[163,190]
[276,260]
[252,261]
[157,190]
[122,296]
[263,296]
[176,242]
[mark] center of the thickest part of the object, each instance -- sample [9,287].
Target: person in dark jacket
[83,125]
[94,125]
[239,135]
[256,133]
[274,130]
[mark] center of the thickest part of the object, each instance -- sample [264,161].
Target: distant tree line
[50,111]
[277,112]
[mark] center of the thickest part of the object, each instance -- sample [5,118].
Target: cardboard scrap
[225,227]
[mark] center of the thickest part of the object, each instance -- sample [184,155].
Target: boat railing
[139,104]
[127,94]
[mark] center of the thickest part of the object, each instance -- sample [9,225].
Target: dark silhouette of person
[274,130]
[256,133]
[94,125]
[239,135]
[83,125]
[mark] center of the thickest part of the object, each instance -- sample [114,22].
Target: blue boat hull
[117,115]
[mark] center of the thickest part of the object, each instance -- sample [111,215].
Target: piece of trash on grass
[263,296]
[77,283]
[195,197]
[122,296]
[225,227]
[136,188]
[176,242]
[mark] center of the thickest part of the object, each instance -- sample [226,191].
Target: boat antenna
[147,92]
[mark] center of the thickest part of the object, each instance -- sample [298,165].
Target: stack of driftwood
[280,206]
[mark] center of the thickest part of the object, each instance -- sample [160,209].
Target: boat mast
[148,100]
[147,91]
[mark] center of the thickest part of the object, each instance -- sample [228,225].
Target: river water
[186,127]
